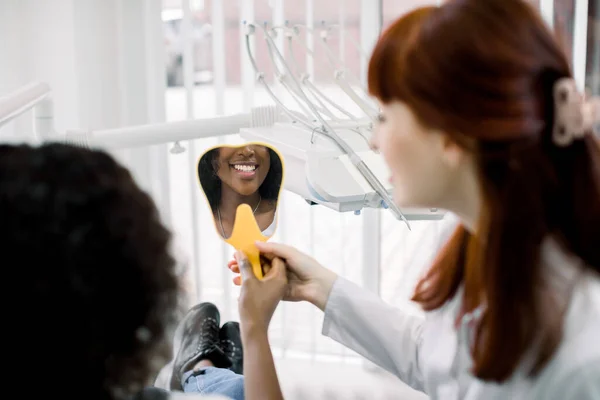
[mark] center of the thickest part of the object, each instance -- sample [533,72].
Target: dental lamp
[326,149]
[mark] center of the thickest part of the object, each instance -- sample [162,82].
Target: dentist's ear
[452,153]
[374,139]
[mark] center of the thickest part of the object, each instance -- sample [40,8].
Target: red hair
[484,71]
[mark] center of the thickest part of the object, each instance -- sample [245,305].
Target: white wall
[103,60]
[37,44]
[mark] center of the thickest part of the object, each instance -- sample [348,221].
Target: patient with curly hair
[96,292]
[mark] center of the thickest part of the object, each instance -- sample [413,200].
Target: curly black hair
[96,288]
[211,183]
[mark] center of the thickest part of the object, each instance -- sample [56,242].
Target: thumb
[245,266]
[270,250]
[277,269]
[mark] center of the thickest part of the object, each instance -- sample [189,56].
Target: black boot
[197,338]
[231,343]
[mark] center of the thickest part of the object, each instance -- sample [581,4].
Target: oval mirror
[242,185]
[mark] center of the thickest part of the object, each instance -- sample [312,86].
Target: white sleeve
[582,383]
[361,321]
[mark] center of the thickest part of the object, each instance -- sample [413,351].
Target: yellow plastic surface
[244,236]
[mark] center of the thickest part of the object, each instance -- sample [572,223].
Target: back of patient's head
[87,260]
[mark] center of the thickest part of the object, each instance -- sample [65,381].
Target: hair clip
[576,115]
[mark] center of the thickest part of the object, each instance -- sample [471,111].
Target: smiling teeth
[245,168]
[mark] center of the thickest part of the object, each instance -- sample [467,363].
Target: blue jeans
[211,380]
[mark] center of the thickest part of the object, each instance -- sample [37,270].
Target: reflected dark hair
[88,258]
[211,183]
[492,92]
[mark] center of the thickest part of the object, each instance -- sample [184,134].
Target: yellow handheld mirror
[242,185]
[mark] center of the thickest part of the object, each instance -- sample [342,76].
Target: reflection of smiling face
[243,169]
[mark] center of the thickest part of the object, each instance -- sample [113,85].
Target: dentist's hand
[307,279]
[259,298]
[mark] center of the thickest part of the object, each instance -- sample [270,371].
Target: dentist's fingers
[265,265]
[276,249]
[234,267]
[276,270]
[264,262]
[237,280]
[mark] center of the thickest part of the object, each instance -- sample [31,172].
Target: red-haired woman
[479,116]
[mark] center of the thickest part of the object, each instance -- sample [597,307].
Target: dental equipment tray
[317,169]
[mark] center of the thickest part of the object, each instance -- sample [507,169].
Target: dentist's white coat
[428,353]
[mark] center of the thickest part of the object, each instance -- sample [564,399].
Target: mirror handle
[244,236]
[254,259]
